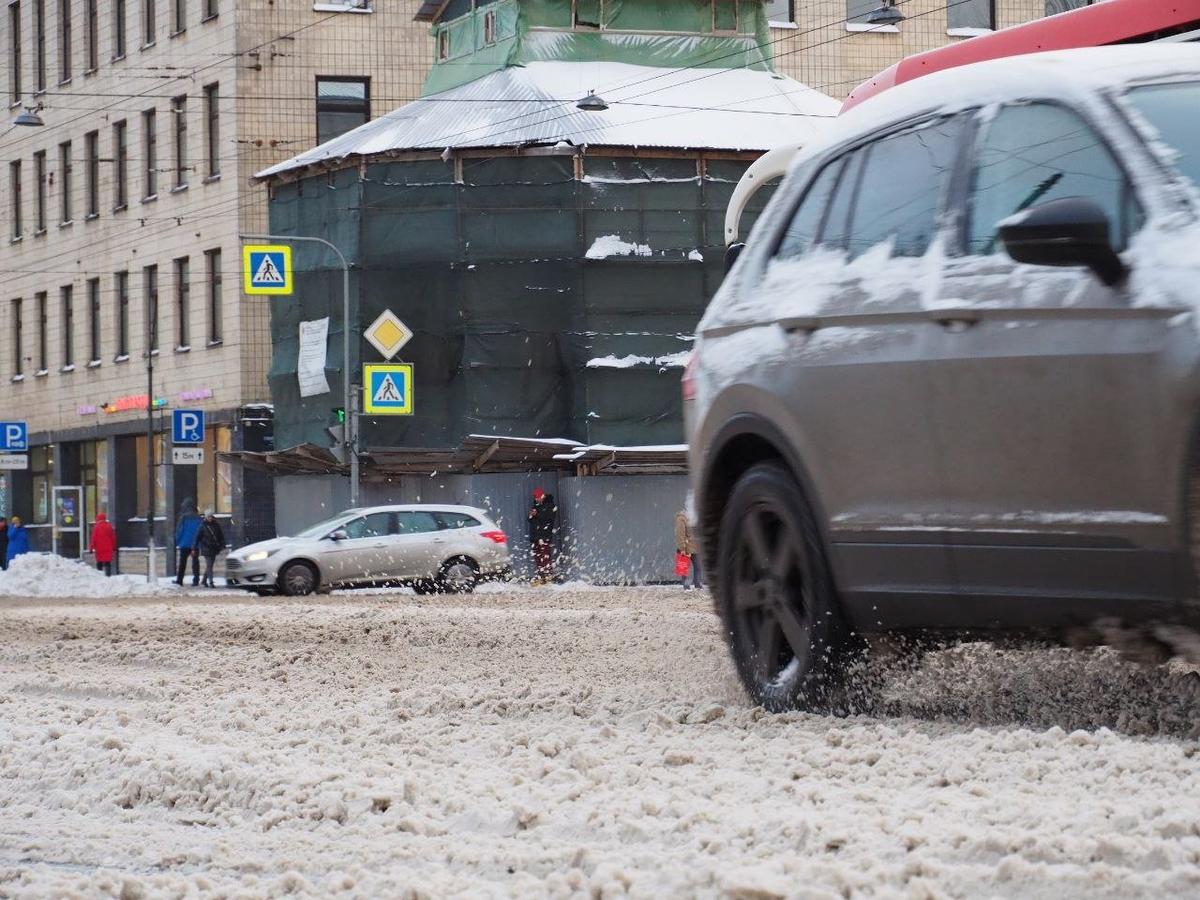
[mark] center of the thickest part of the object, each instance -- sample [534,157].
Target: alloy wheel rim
[459,575]
[770,596]
[298,581]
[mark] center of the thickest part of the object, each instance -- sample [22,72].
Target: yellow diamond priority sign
[388,334]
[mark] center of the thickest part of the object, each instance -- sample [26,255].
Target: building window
[160,475]
[14,192]
[178,16]
[489,27]
[587,13]
[150,296]
[41,472]
[1058,6]
[39,44]
[210,10]
[14,52]
[66,294]
[148,22]
[43,357]
[92,15]
[212,259]
[725,15]
[120,165]
[778,10]
[212,137]
[93,475]
[214,477]
[118,29]
[39,192]
[443,44]
[179,126]
[65,181]
[18,344]
[122,285]
[150,153]
[91,149]
[182,301]
[93,291]
[974,14]
[64,40]
[342,105]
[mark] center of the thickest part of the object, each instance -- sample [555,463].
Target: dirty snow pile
[48,575]
[609,245]
[560,743]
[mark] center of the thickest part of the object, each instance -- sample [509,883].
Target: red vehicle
[1106,22]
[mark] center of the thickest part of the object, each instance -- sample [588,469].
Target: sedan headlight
[259,555]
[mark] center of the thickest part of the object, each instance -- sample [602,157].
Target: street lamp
[29,117]
[887,14]
[592,103]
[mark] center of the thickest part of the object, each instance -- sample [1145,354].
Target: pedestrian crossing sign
[388,389]
[267,269]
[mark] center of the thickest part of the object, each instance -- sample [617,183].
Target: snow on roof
[648,106]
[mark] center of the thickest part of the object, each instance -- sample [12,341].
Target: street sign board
[267,269]
[14,461]
[388,334]
[388,389]
[187,456]
[14,436]
[187,426]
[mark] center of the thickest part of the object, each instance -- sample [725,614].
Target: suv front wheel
[776,596]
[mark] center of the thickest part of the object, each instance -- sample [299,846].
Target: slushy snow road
[560,742]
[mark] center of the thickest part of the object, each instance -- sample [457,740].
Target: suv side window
[903,182]
[801,233]
[450,520]
[416,522]
[373,525]
[1038,152]
[837,222]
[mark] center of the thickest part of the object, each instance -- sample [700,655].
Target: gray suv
[952,384]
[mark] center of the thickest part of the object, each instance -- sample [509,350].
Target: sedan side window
[903,183]
[374,525]
[416,522]
[1038,152]
[451,520]
[802,231]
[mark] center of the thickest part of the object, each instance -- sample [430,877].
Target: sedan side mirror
[1072,231]
[732,252]
[338,534]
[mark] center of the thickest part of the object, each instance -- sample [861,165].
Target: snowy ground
[561,742]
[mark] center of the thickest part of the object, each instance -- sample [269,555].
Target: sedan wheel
[298,580]
[458,576]
[776,596]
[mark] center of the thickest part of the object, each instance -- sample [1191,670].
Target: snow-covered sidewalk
[554,743]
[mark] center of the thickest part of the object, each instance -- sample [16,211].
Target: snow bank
[612,245]
[667,361]
[48,575]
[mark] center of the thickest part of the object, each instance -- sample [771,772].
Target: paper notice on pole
[310,364]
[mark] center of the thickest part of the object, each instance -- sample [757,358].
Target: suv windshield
[1171,110]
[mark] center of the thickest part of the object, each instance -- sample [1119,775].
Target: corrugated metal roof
[701,109]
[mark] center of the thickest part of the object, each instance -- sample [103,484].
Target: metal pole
[150,566]
[350,449]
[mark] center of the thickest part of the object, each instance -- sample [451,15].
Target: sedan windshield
[1171,110]
[323,528]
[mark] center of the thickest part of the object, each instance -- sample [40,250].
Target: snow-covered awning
[534,104]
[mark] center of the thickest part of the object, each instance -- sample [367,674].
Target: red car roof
[1107,22]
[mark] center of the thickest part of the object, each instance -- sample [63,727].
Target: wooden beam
[483,457]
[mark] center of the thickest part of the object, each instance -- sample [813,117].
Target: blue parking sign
[187,426]
[14,436]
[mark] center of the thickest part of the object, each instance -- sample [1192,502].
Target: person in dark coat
[543,528]
[3,543]
[210,541]
[185,540]
[104,543]
[18,539]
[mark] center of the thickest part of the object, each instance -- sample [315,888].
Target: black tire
[458,576]
[424,587]
[776,596]
[297,579]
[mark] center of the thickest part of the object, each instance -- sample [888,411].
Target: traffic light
[339,414]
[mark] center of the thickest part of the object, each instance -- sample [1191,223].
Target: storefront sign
[187,456]
[191,396]
[14,461]
[133,401]
[88,410]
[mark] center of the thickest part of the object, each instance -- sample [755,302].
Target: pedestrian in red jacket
[104,543]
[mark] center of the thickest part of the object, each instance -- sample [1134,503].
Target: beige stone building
[119,225]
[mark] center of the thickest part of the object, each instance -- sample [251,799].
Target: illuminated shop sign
[133,401]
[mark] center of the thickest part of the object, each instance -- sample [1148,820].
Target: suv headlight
[259,555]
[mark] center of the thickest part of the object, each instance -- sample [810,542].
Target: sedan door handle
[956,319]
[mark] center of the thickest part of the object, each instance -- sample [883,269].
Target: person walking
[210,541]
[104,543]
[185,540]
[3,543]
[18,539]
[686,546]
[543,527]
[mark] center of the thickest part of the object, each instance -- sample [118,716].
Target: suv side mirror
[1072,231]
[732,252]
[338,534]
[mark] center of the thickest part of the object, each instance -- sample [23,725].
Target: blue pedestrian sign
[187,426]
[14,437]
[267,269]
[388,389]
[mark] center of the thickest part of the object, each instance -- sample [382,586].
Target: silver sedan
[431,548]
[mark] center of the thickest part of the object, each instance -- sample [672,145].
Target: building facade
[120,223]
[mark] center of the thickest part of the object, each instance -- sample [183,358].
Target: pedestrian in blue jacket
[18,539]
[185,540]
